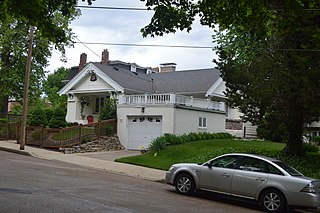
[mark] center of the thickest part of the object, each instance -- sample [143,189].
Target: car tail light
[309,188]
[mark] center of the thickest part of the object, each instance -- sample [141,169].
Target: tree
[53,84]
[109,109]
[13,49]
[268,55]
[58,118]
[42,14]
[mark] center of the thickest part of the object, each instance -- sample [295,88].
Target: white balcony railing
[180,100]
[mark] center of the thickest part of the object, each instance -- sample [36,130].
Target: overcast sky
[123,26]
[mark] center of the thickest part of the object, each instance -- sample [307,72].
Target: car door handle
[225,175]
[259,179]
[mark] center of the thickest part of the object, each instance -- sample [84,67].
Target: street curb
[31,154]
[21,152]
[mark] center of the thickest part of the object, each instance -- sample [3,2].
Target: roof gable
[75,83]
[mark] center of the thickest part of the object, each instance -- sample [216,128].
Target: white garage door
[142,130]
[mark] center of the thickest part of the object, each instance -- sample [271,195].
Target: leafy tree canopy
[41,14]
[53,84]
[259,16]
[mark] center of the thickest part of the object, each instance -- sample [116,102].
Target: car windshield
[287,168]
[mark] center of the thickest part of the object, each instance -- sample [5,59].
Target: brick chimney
[168,67]
[105,56]
[83,61]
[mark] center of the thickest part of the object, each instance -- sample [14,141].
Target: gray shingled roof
[180,82]
[130,81]
[187,81]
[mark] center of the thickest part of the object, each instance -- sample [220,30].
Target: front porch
[171,99]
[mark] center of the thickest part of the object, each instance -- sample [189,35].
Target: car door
[249,176]
[217,174]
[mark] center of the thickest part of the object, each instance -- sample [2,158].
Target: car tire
[184,184]
[273,200]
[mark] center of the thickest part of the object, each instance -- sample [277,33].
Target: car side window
[274,170]
[252,164]
[225,162]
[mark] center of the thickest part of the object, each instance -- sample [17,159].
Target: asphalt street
[29,184]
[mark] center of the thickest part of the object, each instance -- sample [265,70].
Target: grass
[201,151]
[73,132]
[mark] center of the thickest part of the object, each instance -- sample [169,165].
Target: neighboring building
[151,102]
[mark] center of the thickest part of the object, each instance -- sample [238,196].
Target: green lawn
[72,133]
[201,151]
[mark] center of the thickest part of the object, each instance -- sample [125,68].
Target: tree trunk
[295,124]
[3,104]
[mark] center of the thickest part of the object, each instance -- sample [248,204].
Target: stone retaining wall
[106,143]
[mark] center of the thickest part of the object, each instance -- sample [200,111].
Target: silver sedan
[275,185]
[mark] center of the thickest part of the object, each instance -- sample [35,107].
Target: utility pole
[26,91]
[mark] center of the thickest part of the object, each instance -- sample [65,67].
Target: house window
[202,122]
[99,103]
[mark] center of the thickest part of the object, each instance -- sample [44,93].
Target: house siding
[86,84]
[174,120]
[187,120]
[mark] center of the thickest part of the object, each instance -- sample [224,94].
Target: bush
[158,144]
[38,117]
[316,139]
[307,147]
[58,118]
[169,139]
[49,114]
[4,120]
[109,129]
[109,110]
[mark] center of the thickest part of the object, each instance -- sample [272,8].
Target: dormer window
[133,68]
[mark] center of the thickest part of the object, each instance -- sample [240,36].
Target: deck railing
[179,100]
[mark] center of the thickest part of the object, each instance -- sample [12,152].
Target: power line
[114,8]
[146,45]
[84,44]
[188,46]
[149,9]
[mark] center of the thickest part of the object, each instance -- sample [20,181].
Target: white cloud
[119,26]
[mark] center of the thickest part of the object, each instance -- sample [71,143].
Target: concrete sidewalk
[101,161]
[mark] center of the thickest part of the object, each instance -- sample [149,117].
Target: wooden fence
[58,138]
[11,118]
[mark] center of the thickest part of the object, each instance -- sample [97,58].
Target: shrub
[307,147]
[38,117]
[169,139]
[58,118]
[316,139]
[192,136]
[158,144]
[86,139]
[172,139]
[4,120]
[109,129]
[49,114]
[109,109]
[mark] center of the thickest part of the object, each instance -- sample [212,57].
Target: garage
[142,130]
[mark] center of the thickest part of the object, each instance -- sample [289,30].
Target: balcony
[171,99]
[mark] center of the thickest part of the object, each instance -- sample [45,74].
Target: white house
[151,102]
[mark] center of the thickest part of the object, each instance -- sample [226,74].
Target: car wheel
[184,184]
[273,200]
